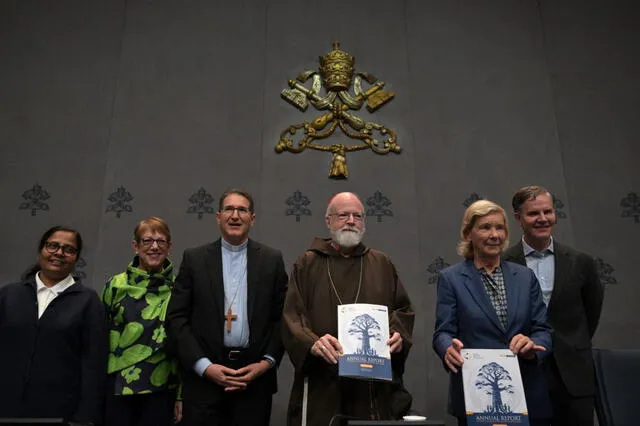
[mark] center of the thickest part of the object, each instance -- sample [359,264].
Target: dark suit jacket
[464,311]
[196,312]
[573,312]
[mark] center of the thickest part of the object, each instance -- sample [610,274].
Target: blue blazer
[464,311]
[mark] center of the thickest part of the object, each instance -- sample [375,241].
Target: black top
[54,366]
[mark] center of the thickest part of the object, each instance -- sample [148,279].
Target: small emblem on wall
[558,205]
[378,206]
[434,269]
[631,206]
[201,202]
[35,197]
[79,272]
[605,272]
[297,205]
[472,198]
[119,200]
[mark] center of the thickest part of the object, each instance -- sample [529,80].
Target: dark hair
[527,193]
[240,192]
[43,240]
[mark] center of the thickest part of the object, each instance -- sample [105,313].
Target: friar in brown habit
[335,271]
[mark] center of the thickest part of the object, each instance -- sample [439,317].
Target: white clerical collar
[57,288]
[230,247]
[528,249]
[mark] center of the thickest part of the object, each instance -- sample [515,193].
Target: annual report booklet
[363,332]
[493,390]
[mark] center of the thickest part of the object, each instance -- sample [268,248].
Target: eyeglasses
[52,248]
[342,216]
[242,211]
[148,242]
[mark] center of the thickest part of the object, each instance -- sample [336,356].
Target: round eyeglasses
[53,247]
[148,242]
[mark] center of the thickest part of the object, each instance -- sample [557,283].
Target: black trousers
[238,408]
[567,410]
[151,409]
[249,407]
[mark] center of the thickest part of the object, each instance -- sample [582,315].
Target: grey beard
[347,238]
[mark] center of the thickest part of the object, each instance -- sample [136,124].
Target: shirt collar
[57,288]
[230,247]
[497,269]
[528,249]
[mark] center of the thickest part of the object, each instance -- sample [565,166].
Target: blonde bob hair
[480,208]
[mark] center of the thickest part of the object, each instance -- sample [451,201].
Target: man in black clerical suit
[224,320]
[573,293]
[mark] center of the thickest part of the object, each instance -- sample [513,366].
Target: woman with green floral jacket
[143,380]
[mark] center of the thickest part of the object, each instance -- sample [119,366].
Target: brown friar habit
[310,311]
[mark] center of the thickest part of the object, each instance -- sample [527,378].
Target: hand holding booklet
[363,332]
[493,390]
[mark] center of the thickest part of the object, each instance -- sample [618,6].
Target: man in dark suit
[224,318]
[573,294]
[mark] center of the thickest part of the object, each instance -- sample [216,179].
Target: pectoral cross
[230,317]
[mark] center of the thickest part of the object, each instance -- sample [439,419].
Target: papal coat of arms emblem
[337,76]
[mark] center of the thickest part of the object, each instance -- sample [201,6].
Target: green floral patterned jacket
[136,304]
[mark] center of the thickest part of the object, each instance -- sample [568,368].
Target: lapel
[513,291]
[516,254]
[473,283]
[213,262]
[561,270]
[253,274]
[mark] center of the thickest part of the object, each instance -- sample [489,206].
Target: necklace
[230,316]
[333,286]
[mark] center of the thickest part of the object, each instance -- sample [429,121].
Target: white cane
[305,395]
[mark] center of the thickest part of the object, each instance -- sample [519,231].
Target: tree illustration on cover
[494,379]
[365,327]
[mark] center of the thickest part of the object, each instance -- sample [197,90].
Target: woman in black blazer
[53,338]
